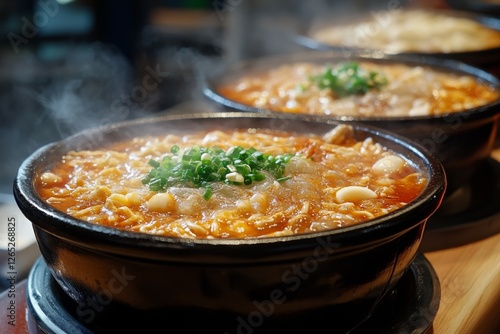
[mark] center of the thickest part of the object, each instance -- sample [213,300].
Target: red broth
[332,181]
[409,91]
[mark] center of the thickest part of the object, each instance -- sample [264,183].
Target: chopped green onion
[174,149]
[208,193]
[200,166]
[349,79]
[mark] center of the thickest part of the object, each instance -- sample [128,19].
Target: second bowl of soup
[449,107]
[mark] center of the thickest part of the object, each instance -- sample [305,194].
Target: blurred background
[66,65]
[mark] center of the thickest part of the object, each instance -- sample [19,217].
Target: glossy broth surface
[409,91]
[332,181]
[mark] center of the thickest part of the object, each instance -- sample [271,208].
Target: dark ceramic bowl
[123,280]
[484,7]
[462,141]
[487,59]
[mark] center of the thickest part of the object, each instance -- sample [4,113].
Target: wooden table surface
[470,288]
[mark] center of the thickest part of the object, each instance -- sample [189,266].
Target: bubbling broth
[279,183]
[359,89]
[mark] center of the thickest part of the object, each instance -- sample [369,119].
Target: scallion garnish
[349,79]
[202,166]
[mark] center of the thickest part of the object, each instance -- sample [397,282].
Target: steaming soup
[362,89]
[411,31]
[268,183]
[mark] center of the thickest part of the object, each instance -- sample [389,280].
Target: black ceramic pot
[130,281]
[487,59]
[462,141]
